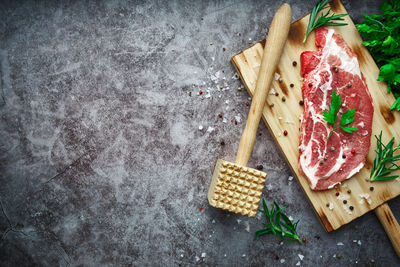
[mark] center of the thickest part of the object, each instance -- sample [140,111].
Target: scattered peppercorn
[222,143]
[321,161]
[221,86]
[220,115]
[325,158]
[292,85]
[327,204]
[239,89]
[337,194]
[201,92]
[344,156]
[371,188]
[332,148]
[349,85]
[259,167]
[339,255]
[235,122]
[283,99]
[310,85]
[301,102]
[285,132]
[345,201]
[349,191]
[223,49]
[276,257]
[317,237]
[276,94]
[355,227]
[336,70]
[351,208]
[247,103]
[304,240]
[271,105]
[190,93]
[294,63]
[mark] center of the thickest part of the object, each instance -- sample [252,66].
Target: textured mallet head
[236,188]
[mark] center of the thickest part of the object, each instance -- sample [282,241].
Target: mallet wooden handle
[274,44]
[390,225]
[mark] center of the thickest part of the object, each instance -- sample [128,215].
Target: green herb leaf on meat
[331,116]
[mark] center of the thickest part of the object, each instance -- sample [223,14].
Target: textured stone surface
[101,158]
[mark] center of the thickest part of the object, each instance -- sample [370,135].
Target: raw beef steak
[334,66]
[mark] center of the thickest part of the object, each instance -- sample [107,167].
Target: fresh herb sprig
[384,162]
[381,33]
[331,116]
[278,224]
[324,19]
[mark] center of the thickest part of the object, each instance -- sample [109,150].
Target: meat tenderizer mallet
[234,186]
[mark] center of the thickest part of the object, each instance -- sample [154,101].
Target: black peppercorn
[294,63]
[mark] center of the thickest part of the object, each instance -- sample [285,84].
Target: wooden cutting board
[284,115]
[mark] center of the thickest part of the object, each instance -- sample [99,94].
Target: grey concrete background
[101,158]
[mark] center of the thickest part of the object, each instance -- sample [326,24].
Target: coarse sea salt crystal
[238,118]
[290,178]
[272,91]
[210,129]
[201,127]
[343,197]
[269,187]
[224,120]
[276,76]
[282,260]
[340,244]
[347,209]
[197,258]
[301,256]
[298,263]
[291,218]
[247,228]
[359,242]
[203,255]
[330,206]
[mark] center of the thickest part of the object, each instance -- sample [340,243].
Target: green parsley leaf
[381,34]
[331,116]
[347,117]
[349,129]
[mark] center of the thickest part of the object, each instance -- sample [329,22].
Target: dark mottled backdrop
[101,158]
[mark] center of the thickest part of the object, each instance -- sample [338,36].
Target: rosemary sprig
[278,224]
[324,19]
[384,162]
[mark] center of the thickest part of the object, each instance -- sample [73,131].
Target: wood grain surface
[282,115]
